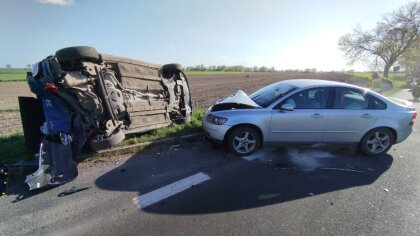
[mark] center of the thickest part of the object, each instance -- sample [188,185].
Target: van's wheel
[169,70]
[172,67]
[79,53]
[105,143]
[243,141]
[377,142]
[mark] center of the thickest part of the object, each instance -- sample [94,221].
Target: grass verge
[8,110]
[12,146]
[170,131]
[12,149]
[399,81]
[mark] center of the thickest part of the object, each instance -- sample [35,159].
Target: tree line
[235,68]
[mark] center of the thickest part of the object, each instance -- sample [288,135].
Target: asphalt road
[196,189]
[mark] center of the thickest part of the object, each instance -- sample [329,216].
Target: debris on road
[4,177]
[72,190]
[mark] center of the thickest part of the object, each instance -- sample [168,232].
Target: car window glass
[267,95]
[376,103]
[315,98]
[350,99]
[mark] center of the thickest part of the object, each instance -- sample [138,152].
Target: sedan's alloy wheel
[244,142]
[378,142]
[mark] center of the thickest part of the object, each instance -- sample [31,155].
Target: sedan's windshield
[267,95]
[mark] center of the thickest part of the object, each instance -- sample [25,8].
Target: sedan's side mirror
[287,107]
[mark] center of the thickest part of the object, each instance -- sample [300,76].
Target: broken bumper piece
[56,165]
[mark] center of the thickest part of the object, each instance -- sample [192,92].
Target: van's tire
[78,53]
[243,140]
[105,143]
[377,142]
[173,67]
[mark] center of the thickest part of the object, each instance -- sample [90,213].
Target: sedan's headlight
[216,119]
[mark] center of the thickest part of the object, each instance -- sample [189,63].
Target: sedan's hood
[239,100]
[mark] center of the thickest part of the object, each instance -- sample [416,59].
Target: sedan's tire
[105,143]
[377,142]
[243,140]
[79,53]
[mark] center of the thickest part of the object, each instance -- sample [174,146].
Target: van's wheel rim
[378,142]
[244,142]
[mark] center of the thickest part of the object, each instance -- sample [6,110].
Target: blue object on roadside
[56,114]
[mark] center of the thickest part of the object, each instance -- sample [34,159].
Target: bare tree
[391,37]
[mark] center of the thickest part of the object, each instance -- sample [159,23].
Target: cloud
[57,2]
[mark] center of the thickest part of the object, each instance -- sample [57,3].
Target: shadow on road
[280,175]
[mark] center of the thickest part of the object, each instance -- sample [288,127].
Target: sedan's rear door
[306,122]
[350,117]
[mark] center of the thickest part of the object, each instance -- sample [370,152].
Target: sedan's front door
[306,122]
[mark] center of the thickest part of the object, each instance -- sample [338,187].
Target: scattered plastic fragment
[269,162]
[174,147]
[311,194]
[386,190]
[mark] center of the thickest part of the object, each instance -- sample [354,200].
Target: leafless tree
[391,37]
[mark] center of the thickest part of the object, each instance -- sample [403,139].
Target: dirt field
[204,90]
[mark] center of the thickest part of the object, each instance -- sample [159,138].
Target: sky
[293,34]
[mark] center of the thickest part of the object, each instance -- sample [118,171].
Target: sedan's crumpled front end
[216,126]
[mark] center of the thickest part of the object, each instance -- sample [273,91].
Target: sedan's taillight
[414,116]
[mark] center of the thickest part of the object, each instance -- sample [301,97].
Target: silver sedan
[307,111]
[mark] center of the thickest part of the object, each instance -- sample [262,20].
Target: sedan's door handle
[366,115]
[316,115]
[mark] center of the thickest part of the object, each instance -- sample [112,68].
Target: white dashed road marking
[157,195]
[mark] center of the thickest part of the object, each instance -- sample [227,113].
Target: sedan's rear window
[376,103]
[267,95]
[350,99]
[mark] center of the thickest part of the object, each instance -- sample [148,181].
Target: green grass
[170,131]
[12,77]
[12,74]
[203,73]
[12,71]
[12,146]
[399,80]
[8,110]
[12,149]
[362,75]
